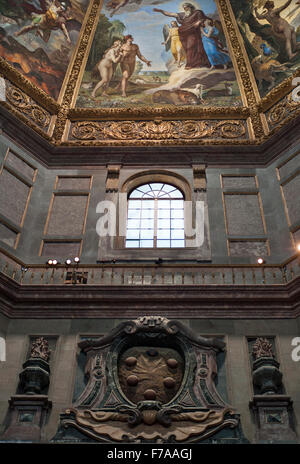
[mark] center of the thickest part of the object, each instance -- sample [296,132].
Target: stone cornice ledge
[198,301]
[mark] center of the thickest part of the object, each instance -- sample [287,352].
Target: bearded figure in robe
[190,34]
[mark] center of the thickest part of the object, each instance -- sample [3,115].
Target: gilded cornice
[250,124]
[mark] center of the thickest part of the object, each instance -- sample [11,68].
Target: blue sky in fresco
[146,27]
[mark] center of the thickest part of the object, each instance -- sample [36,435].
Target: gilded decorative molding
[75,71]
[38,95]
[166,111]
[282,112]
[25,105]
[242,68]
[159,130]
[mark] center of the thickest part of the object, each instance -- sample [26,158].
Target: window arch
[155,217]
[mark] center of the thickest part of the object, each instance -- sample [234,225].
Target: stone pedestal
[26,417]
[35,376]
[273,415]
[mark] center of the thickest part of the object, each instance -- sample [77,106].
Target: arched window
[155,217]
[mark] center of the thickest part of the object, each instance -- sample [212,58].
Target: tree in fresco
[106,33]
[245,14]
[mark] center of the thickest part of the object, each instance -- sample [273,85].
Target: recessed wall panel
[73,183]
[291,192]
[67,215]
[61,249]
[237,182]
[7,235]
[243,215]
[21,166]
[248,248]
[13,197]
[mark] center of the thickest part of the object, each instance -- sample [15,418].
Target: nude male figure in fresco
[129,52]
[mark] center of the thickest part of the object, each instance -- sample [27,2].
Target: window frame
[156,208]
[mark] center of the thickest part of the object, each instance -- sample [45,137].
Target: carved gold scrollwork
[27,106]
[282,111]
[158,130]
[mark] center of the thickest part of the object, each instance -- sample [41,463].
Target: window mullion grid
[155,222]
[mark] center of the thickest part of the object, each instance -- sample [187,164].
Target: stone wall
[67,333]
[250,211]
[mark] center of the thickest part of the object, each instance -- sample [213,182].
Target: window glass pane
[163,204]
[169,188]
[144,188]
[177,244]
[146,244]
[147,213]
[164,233]
[134,213]
[163,213]
[136,194]
[176,213]
[148,233]
[147,224]
[163,243]
[164,223]
[133,233]
[133,223]
[177,234]
[177,204]
[132,244]
[135,204]
[177,223]
[148,204]
[149,194]
[156,186]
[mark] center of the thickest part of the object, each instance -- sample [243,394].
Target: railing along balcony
[119,274]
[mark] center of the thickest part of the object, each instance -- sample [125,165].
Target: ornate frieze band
[159,130]
[26,108]
[282,112]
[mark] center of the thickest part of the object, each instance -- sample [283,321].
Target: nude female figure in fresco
[107,66]
[280,27]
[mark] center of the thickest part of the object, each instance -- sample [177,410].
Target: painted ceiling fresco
[159,53]
[271,33]
[139,72]
[38,37]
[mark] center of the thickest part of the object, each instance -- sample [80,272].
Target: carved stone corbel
[199,178]
[112,179]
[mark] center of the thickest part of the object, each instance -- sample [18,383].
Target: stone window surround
[114,248]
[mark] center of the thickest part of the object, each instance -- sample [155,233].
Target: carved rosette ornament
[149,380]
